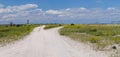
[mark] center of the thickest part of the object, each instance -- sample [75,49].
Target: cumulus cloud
[77,15]
[10,9]
[53,12]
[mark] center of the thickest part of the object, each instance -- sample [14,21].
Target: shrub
[72,24]
[114,47]
[94,39]
[93,30]
[51,26]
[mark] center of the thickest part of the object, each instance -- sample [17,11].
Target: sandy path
[48,43]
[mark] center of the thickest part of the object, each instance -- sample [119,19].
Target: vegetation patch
[52,26]
[99,35]
[12,33]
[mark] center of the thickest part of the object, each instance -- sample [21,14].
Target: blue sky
[59,11]
[61,4]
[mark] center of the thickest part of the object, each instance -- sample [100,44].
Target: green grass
[52,26]
[100,35]
[12,33]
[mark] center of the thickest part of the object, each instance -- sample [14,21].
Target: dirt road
[48,43]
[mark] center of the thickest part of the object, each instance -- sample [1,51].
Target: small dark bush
[114,47]
[72,24]
[93,30]
[18,25]
[60,25]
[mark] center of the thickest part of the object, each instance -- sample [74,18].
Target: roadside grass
[52,26]
[9,34]
[100,36]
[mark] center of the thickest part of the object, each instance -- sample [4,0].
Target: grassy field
[100,36]
[52,26]
[12,33]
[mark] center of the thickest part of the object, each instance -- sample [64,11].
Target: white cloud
[2,10]
[10,9]
[111,9]
[22,7]
[32,12]
[53,12]
[82,9]
[68,9]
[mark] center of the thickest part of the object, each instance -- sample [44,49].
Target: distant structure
[28,22]
[11,23]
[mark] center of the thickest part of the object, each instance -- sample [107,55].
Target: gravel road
[48,43]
